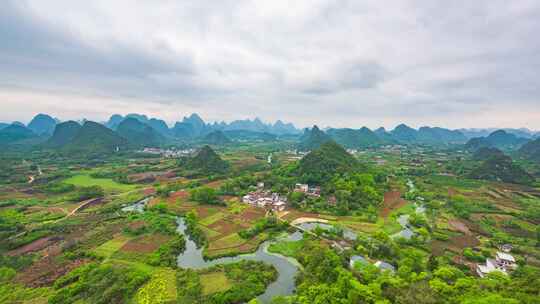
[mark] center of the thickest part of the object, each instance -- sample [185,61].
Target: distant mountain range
[522,132]
[364,137]
[194,126]
[139,130]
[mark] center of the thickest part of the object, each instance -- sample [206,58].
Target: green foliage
[98,284]
[205,195]
[501,168]
[85,193]
[248,278]
[167,253]
[206,162]
[322,164]
[195,233]
[313,139]
[58,188]
[139,134]
[238,185]
[268,224]
[94,139]
[189,286]
[356,139]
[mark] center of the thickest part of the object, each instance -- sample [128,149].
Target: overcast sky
[335,63]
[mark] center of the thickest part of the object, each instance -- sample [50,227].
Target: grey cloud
[326,62]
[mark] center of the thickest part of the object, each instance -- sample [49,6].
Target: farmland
[71,230]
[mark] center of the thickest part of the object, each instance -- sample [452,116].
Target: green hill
[531,150]
[42,124]
[437,135]
[94,138]
[313,139]
[13,134]
[323,163]
[485,153]
[139,134]
[206,162]
[355,139]
[499,139]
[216,138]
[499,167]
[404,134]
[63,133]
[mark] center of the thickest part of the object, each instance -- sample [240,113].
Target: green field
[108,248]
[290,249]
[83,180]
[214,282]
[209,220]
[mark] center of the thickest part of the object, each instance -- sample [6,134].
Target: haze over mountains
[137,131]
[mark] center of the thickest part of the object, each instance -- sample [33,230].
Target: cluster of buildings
[309,191]
[503,262]
[265,199]
[168,153]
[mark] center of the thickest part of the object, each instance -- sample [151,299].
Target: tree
[205,195]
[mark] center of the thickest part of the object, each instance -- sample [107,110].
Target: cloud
[340,63]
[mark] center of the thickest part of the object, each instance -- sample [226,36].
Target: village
[275,202]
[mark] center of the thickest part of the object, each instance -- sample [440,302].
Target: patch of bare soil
[392,201]
[252,214]
[455,244]
[452,192]
[149,191]
[178,195]
[145,244]
[225,227]
[457,225]
[34,246]
[46,271]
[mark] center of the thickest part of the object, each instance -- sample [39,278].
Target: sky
[333,63]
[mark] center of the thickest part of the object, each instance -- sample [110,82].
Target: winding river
[286,267]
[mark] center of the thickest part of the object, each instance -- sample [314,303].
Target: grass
[231,240]
[132,263]
[209,220]
[358,226]
[209,232]
[290,249]
[83,180]
[390,226]
[214,282]
[108,248]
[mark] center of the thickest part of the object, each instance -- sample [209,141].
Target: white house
[503,262]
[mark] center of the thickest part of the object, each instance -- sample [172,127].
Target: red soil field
[145,244]
[454,244]
[252,214]
[178,195]
[34,246]
[225,227]
[392,200]
[46,271]
[457,225]
[149,191]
